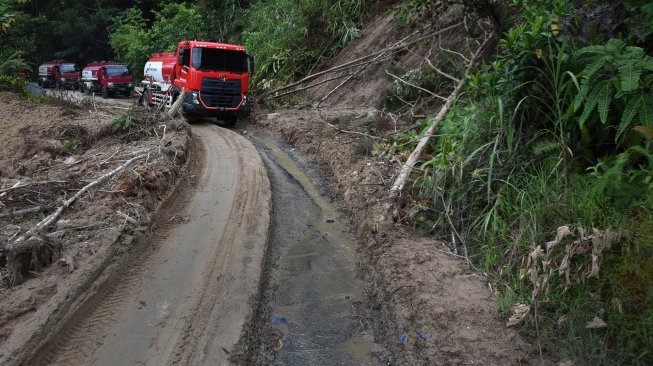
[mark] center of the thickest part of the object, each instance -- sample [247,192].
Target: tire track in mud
[169,299]
[87,328]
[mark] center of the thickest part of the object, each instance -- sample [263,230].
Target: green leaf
[646,110]
[592,101]
[629,71]
[604,99]
[629,115]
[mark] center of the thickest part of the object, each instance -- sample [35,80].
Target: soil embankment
[430,308]
[50,151]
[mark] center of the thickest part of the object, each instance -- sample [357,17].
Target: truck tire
[230,121]
[145,98]
[40,83]
[58,85]
[105,93]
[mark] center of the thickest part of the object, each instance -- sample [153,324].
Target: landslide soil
[428,307]
[53,149]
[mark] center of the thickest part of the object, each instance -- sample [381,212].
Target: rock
[273,115]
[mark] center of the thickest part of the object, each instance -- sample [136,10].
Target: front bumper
[194,107]
[68,82]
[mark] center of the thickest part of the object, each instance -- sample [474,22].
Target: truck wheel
[58,85]
[145,99]
[40,83]
[230,121]
[105,93]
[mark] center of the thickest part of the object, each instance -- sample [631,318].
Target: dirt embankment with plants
[77,184]
[433,308]
[526,155]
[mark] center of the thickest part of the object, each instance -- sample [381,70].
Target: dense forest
[543,168]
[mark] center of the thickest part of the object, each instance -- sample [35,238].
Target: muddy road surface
[313,304]
[186,298]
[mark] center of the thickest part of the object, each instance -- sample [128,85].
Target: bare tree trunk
[177,104]
[406,169]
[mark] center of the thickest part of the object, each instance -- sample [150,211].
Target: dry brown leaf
[562,232]
[520,311]
[596,323]
[646,131]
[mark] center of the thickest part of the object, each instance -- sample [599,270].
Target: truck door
[183,66]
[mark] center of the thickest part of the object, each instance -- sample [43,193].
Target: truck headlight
[110,85]
[129,85]
[63,79]
[195,98]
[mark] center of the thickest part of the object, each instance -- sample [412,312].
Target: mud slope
[186,300]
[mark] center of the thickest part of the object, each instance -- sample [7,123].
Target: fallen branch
[177,104]
[52,218]
[406,169]
[397,47]
[415,86]
[25,211]
[351,77]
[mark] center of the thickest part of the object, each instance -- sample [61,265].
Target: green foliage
[545,136]
[617,76]
[126,121]
[12,83]
[134,41]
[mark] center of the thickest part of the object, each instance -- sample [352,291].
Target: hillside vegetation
[542,171]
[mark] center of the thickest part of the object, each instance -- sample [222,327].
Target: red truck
[60,74]
[215,75]
[107,78]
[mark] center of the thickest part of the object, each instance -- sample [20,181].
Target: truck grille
[221,94]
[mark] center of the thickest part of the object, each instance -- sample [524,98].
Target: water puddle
[315,285]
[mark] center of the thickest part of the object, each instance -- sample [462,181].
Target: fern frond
[592,102]
[604,95]
[630,70]
[646,110]
[632,108]
[545,147]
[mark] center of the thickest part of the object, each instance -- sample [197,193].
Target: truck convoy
[215,76]
[60,74]
[106,78]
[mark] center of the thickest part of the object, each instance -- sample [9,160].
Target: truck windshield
[68,68]
[219,60]
[118,71]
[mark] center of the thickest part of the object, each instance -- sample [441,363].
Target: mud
[186,298]
[428,307]
[94,236]
[313,295]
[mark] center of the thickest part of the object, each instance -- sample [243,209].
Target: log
[177,104]
[362,60]
[406,169]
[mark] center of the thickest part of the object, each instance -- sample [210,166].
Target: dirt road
[186,300]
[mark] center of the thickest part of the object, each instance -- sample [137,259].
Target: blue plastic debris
[402,338]
[422,336]
[278,319]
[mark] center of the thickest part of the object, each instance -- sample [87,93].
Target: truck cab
[66,75]
[107,78]
[215,75]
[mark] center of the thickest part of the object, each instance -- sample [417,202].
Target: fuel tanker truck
[107,78]
[59,73]
[215,77]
